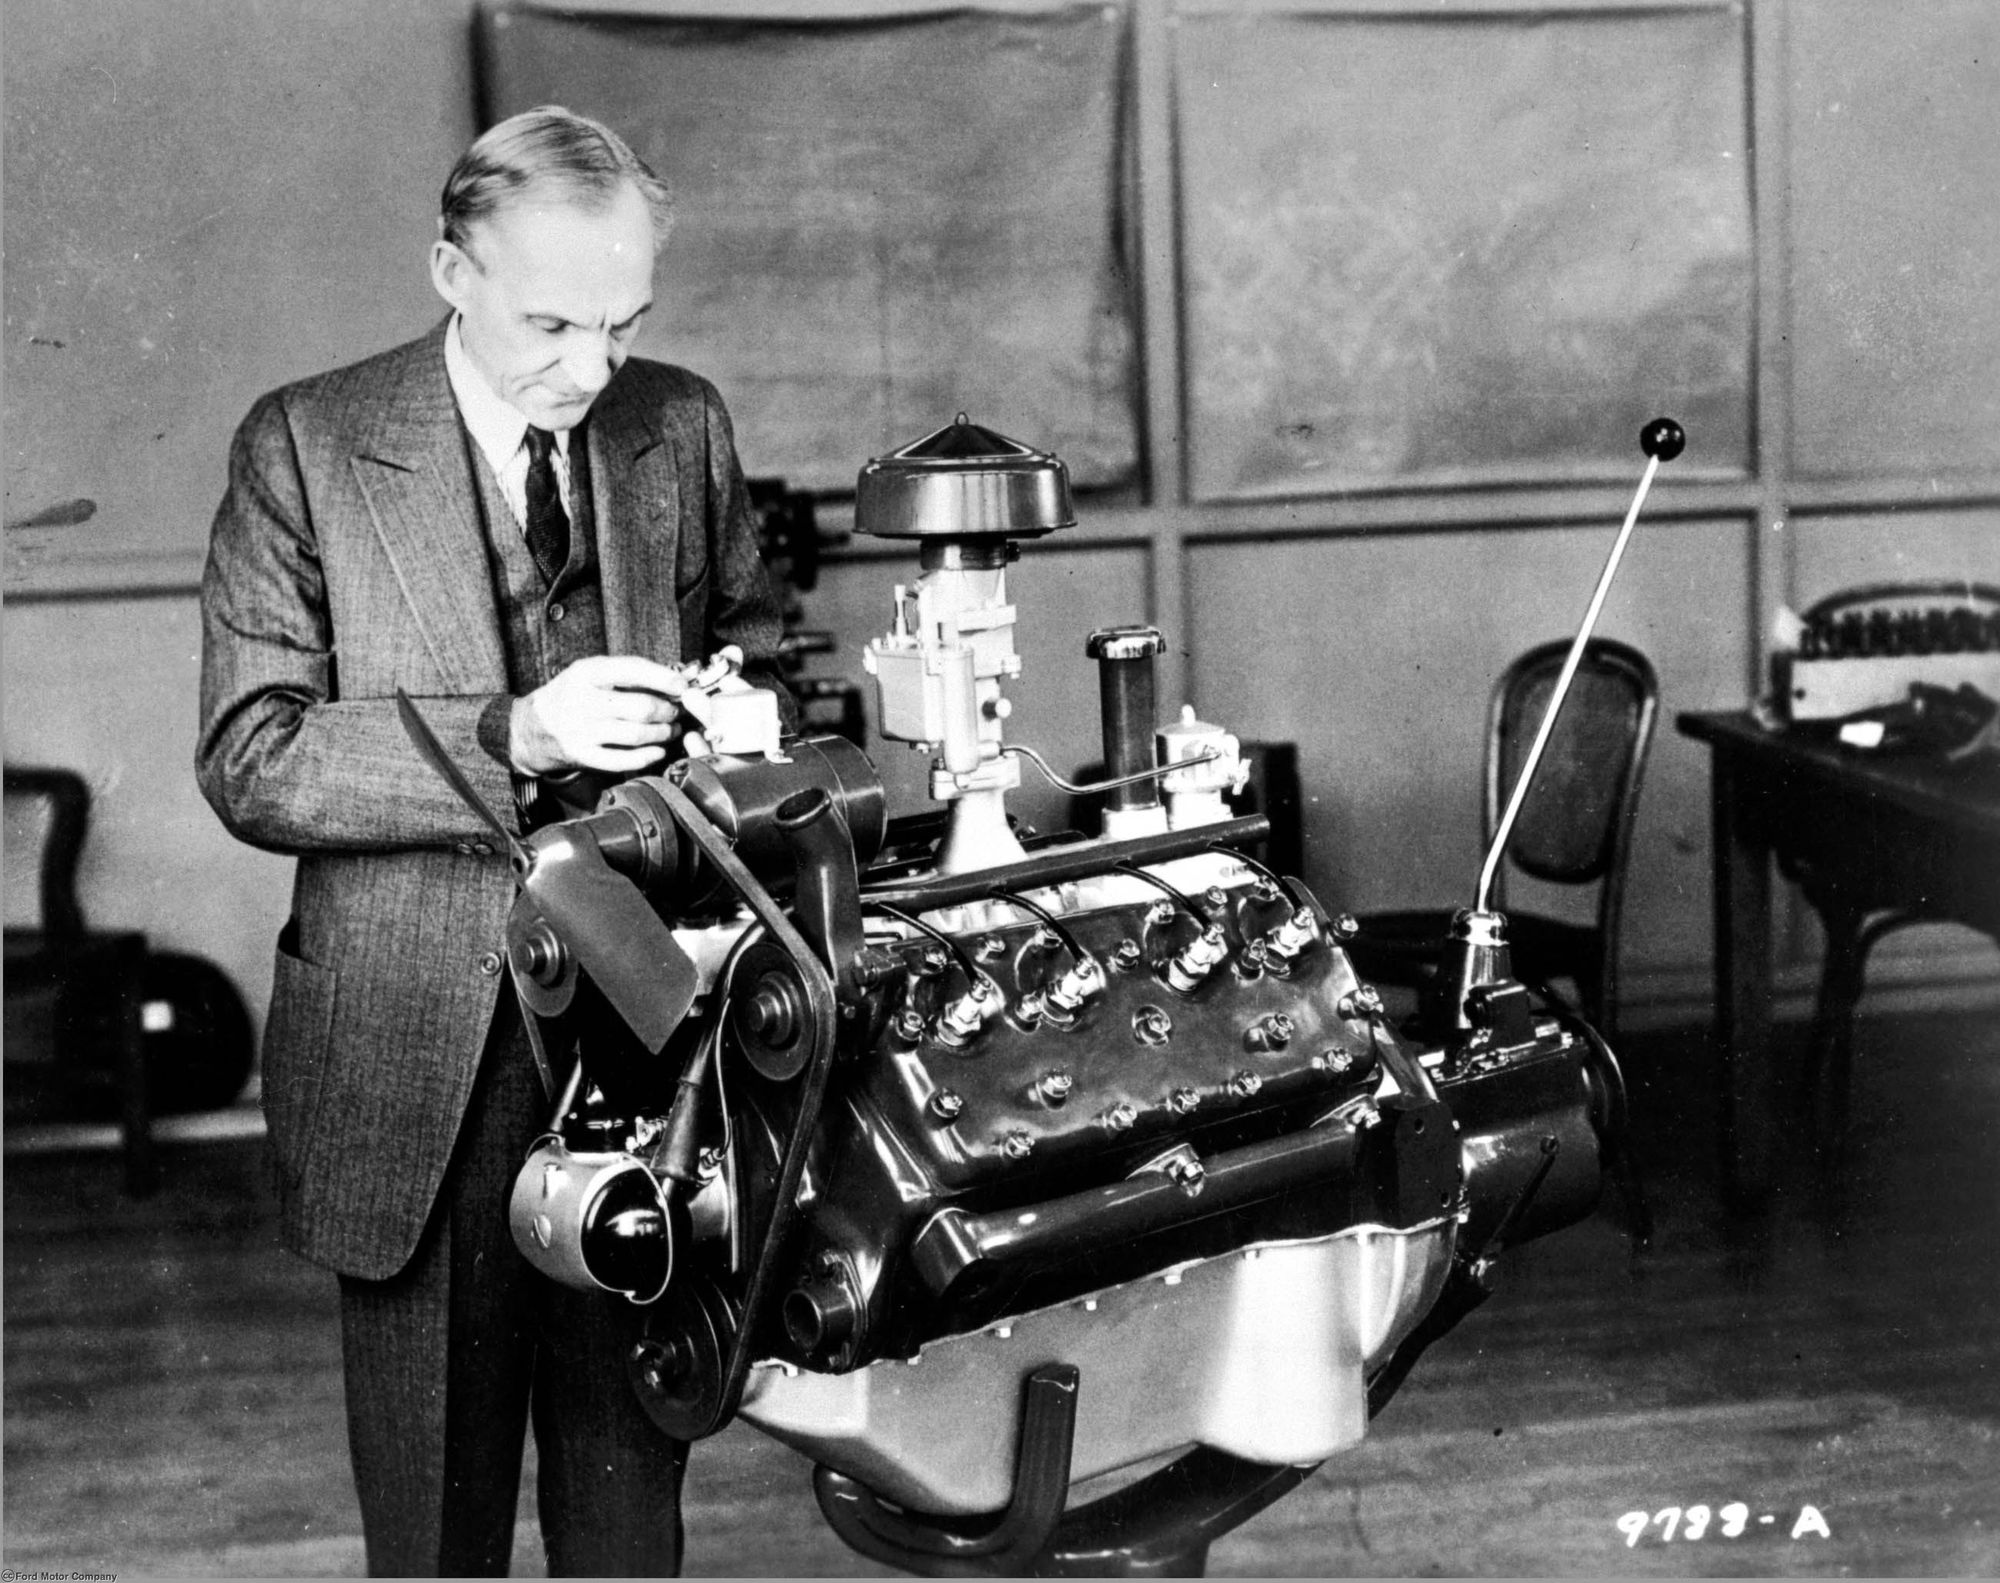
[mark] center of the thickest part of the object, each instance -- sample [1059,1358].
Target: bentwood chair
[1574,830]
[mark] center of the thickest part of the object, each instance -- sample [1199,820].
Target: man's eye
[548,326]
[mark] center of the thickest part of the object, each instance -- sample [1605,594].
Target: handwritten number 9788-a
[1698,1522]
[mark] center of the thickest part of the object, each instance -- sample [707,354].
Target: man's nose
[589,362]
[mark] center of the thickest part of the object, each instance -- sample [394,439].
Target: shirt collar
[496,427]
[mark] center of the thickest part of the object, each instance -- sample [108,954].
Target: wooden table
[1872,842]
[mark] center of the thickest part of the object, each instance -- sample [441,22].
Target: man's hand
[609,712]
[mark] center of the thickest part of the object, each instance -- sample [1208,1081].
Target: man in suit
[528,532]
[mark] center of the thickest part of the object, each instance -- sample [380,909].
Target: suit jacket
[348,560]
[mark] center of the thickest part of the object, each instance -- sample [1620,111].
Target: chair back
[1575,826]
[47,816]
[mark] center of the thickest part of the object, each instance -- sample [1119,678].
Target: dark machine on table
[1066,1200]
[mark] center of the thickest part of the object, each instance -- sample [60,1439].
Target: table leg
[134,1111]
[1742,902]
[1830,1055]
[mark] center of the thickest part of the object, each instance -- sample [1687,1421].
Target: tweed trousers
[449,1359]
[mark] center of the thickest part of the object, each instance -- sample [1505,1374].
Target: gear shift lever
[1475,950]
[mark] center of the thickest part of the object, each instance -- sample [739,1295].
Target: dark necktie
[548,523]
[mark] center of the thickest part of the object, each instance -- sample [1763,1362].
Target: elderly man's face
[550,297]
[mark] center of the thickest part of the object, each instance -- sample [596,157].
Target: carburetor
[995,1173]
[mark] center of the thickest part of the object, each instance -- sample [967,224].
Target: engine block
[993,1171]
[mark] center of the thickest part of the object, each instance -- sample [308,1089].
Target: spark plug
[1194,961]
[1059,1001]
[960,1021]
[1290,940]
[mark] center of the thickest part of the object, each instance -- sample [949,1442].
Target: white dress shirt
[500,432]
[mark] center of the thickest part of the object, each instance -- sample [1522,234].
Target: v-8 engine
[1065,1200]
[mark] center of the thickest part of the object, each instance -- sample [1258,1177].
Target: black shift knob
[1663,438]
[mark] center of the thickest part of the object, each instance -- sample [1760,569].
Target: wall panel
[1833,552]
[1895,134]
[203,201]
[1460,249]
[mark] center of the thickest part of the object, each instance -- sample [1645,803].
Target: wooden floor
[172,1389]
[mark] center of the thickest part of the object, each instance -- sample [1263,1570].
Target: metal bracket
[979,1547]
[1158,1526]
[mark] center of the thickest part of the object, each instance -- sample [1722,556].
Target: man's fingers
[635,671]
[627,733]
[641,706]
[620,761]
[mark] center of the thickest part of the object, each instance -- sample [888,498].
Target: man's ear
[451,272]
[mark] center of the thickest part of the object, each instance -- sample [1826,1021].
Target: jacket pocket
[296,1042]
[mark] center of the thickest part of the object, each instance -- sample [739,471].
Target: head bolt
[1334,1059]
[1244,1085]
[1016,1145]
[910,1024]
[933,960]
[991,948]
[1360,1003]
[1150,1025]
[946,1103]
[1119,1118]
[1044,938]
[1182,1100]
[1055,1086]
[1125,954]
[1271,1032]
[1213,898]
[1161,913]
[1346,926]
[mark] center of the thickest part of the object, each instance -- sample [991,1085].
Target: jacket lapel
[413,470]
[635,490]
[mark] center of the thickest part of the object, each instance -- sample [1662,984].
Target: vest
[544,627]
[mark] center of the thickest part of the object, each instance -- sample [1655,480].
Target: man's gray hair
[572,156]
